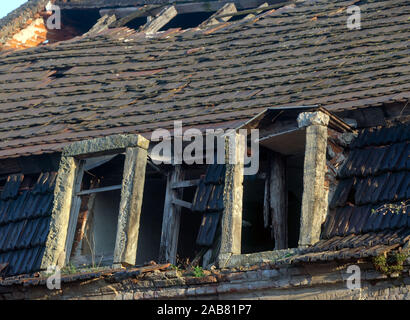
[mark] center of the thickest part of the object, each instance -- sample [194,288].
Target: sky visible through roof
[6,6]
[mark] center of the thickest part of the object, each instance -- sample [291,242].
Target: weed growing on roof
[176,268]
[390,263]
[392,208]
[198,272]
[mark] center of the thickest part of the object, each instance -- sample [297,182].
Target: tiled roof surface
[25,210]
[353,246]
[119,81]
[375,175]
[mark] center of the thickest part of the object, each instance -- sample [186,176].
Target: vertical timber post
[279,201]
[235,145]
[171,218]
[314,200]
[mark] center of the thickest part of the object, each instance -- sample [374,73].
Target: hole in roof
[59,72]
[136,23]
[79,20]
[187,20]
[238,17]
[183,21]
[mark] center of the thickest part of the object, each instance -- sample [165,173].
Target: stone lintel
[110,144]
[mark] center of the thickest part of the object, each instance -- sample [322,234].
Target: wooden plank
[266,201]
[185,184]
[279,201]
[97,190]
[155,24]
[171,218]
[252,15]
[3,266]
[102,24]
[135,13]
[225,11]
[188,7]
[182,203]
[256,10]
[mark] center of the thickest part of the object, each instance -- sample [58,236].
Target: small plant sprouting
[390,263]
[176,268]
[69,269]
[392,208]
[198,272]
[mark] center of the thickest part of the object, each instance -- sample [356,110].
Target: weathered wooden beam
[182,203]
[182,8]
[136,12]
[266,202]
[214,19]
[279,201]
[185,184]
[252,15]
[155,24]
[97,190]
[171,218]
[257,10]
[102,24]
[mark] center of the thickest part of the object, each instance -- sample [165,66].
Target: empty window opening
[259,222]
[294,183]
[255,237]
[152,212]
[190,223]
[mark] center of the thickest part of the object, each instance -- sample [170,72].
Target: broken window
[100,194]
[183,214]
[98,199]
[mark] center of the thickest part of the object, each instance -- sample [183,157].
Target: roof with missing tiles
[121,81]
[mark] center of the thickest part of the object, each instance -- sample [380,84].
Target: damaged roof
[121,81]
